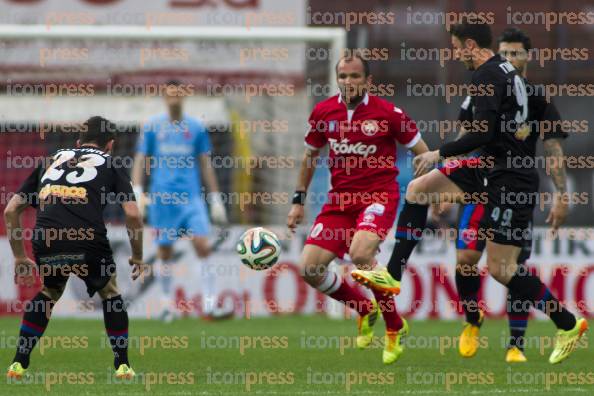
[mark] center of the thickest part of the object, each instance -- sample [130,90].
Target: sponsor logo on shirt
[343,147]
[369,127]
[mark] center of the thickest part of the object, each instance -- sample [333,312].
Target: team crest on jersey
[369,127]
[522,133]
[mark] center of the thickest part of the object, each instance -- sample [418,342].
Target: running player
[508,191]
[70,193]
[179,151]
[362,132]
[514,46]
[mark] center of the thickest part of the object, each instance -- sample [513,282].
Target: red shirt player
[362,132]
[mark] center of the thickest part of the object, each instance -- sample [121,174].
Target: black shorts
[512,199]
[471,235]
[55,268]
[508,199]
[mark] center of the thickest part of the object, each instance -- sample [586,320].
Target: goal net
[253,88]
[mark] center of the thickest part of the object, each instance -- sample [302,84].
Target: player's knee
[110,290]
[361,256]
[467,262]
[165,253]
[202,250]
[496,268]
[310,272]
[415,188]
[53,293]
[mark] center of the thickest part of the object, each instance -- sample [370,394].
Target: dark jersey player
[508,190]
[514,45]
[70,191]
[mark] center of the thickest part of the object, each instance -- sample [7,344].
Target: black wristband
[299,198]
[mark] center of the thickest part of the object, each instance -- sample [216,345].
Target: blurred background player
[362,132]
[175,148]
[70,192]
[514,45]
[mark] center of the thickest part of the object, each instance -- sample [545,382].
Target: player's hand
[23,271]
[437,210]
[295,217]
[558,213]
[423,163]
[138,268]
[218,214]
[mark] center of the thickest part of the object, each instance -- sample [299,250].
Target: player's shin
[339,289]
[411,224]
[209,286]
[527,285]
[115,318]
[468,284]
[518,310]
[163,270]
[35,320]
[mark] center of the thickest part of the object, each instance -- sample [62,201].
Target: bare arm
[554,153]
[419,148]
[306,172]
[23,265]
[134,226]
[307,169]
[139,170]
[12,218]
[135,234]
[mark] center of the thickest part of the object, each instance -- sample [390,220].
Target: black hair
[349,55]
[175,82]
[515,35]
[97,130]
[475,29]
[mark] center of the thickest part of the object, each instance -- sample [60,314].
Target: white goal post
[335,37]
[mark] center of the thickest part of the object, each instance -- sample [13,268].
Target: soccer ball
[258,248]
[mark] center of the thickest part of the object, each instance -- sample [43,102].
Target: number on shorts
[506,217]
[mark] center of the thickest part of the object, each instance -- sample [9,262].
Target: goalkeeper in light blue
[175,149]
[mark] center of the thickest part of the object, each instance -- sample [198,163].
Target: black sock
[468,284]
[35,320]
[411,224]
[529,287]
[115,318]
[518,310]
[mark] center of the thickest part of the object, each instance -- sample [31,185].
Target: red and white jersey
[362,142]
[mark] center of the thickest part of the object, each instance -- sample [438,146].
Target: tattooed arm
[554,153]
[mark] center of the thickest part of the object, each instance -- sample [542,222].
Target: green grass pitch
[290,355]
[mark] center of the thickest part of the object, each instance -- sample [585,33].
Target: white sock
[208,278]
[164,273]
[330,284]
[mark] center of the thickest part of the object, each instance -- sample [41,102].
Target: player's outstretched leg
[35,319]
[530,287]
[362,252]
[468,283]
[433,187]
[115,318]
[314,263]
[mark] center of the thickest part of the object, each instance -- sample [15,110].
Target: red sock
[338,288]
[389,312]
